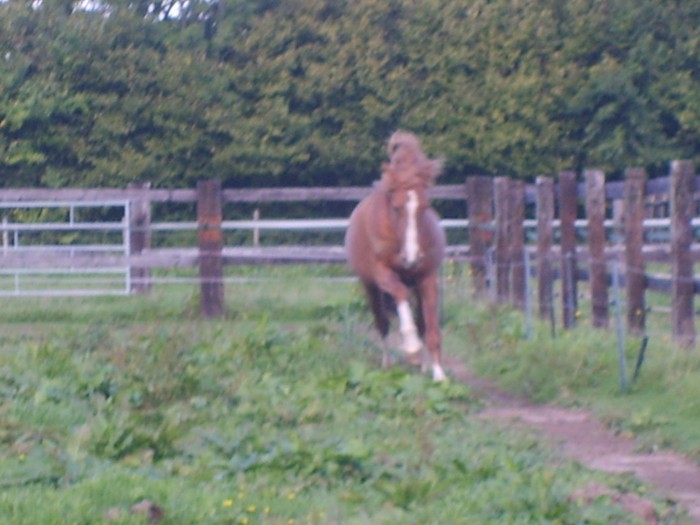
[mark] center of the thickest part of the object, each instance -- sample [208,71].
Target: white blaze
[411,247]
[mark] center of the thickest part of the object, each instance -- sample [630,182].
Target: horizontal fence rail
[508,226]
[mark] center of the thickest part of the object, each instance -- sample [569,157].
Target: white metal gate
[71,251]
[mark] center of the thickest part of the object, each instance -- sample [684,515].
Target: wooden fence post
[682,285]
[139,237]
[595,212]
[634,241]
[210,239]
[480,211]
[501,191]
[517,243]
[545,218]
[568,204]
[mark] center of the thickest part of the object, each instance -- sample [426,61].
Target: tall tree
[306,91]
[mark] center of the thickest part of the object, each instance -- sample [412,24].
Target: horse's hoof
[438,373]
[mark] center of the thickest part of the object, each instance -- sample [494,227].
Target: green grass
[580,367]
[277,414]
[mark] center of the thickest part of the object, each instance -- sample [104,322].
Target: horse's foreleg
[388,281]
[407,327]
[429,291]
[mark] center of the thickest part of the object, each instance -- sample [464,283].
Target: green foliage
[263,92]
[580,367]
[259,419]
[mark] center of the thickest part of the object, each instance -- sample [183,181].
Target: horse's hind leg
[377,302]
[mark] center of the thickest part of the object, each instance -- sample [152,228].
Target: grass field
[278,414]
[580,367]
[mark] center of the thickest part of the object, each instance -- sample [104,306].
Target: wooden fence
[627,209]
[132,257]
[514,231]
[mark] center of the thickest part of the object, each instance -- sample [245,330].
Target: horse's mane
[408,165]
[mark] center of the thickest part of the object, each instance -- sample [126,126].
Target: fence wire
[615,291]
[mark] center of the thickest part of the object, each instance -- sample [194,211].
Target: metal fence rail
[36,261]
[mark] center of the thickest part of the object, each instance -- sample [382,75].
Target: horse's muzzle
[411,263]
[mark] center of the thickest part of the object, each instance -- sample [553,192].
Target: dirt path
[581,437]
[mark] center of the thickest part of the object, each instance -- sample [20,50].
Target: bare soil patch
[577,434]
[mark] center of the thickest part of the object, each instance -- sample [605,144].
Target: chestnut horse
[395,245]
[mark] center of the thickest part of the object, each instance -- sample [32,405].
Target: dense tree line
[305,92]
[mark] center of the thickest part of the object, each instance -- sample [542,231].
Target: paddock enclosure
[574,235]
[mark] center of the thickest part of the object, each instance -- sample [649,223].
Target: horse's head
[407,177]
[408,161]
[408,207]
